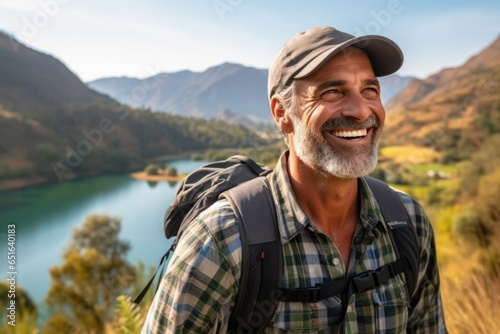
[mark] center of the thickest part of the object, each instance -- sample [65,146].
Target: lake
[45,217]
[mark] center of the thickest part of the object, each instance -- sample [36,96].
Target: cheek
[313,117]
[379,112]
[381,117]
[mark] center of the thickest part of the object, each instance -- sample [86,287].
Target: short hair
[288,98]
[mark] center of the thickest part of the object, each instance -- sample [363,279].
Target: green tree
[152,169]
[94,273]
[170,171]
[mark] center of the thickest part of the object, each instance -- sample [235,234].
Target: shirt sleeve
[196,292]
[426,314]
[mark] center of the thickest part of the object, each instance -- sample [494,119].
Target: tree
[94,273]
[25,310]
[170,171]
[152,169]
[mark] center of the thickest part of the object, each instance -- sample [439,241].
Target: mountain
[456,108]
[391,85]
[228,116]
[243,90]
[240,89]
[54,127]
[31,80]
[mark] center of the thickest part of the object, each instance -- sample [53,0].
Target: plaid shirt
[200,285]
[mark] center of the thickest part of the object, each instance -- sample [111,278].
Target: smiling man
[325,98]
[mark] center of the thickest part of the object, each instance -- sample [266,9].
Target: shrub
[170,171]
[152,169]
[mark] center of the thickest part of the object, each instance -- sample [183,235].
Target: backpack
[241,181]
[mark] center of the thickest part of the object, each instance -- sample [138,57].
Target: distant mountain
[391,85]
[54,127]
[243,90]
[240,89]
[228,116]
[455,108]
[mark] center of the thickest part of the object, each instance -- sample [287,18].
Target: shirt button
[402,295]
[336,261]
[310,228]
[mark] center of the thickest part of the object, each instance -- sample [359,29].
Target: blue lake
[45,217]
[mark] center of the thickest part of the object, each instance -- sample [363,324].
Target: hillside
[210,94]
[452,111]
[31,81]
[54,127]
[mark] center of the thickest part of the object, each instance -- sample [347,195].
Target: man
[325,98]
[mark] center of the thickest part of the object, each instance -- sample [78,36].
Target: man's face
[339,118]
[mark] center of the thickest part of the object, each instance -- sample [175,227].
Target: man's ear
[280,117]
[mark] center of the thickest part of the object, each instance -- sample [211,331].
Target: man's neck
[331,203]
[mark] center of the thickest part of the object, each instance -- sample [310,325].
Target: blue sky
[140,38]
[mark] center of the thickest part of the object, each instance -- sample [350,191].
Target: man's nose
[356,106]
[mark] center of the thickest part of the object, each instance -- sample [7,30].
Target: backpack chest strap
[358,283]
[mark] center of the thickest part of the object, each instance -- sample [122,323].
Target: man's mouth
[350,130]
[352,134]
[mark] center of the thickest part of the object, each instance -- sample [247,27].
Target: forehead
[350,61]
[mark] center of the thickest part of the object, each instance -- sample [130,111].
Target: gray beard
[345,163]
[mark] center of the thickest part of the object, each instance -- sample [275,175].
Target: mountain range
[230,92]
[54,127]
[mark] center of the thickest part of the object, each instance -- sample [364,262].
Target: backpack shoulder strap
[404,237]
[262,264]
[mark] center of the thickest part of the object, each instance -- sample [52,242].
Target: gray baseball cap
[309,50]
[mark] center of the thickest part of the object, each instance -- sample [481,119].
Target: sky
[140,38]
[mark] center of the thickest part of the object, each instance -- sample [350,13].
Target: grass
[470,293]
[471,302]
[409,154]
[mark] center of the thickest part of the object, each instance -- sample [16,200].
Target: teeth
[356,133]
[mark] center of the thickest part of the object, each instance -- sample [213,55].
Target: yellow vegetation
[409,153]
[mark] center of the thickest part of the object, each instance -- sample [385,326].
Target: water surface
[45,217]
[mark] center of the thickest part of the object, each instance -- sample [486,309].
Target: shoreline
[157,178]
[21,183]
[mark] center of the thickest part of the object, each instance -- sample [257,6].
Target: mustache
[349,123]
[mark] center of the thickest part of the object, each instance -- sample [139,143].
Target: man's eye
[331,94]
[371,91]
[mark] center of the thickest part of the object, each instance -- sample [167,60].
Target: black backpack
[241,181]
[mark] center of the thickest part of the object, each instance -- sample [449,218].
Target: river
[46,215]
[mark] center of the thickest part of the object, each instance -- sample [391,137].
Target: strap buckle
[373,279]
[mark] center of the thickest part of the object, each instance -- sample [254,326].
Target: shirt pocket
[391,307]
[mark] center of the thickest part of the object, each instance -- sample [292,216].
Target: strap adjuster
[373,279]
[304,295]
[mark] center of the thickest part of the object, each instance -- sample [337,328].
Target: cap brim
[385,56]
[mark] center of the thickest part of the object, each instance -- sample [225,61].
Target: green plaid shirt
[200,285]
